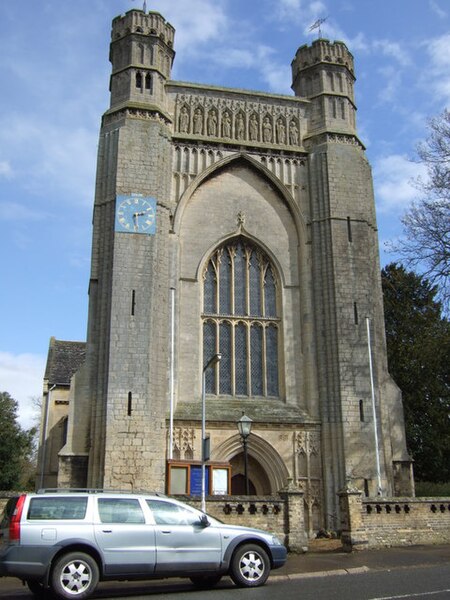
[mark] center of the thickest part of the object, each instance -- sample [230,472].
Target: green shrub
[427,488]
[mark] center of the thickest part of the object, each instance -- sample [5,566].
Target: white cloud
[6,169]
[196,22]
[394,177]
[300,11]
[437,9]
[13,211]
[21,375]
[51,156]
[392,50]
[392,87]
[438,75]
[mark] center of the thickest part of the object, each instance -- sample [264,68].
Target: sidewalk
[336,561]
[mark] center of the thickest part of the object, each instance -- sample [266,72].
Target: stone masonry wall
[401,521]
[406,521]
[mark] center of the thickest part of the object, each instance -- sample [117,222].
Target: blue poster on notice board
[196,480]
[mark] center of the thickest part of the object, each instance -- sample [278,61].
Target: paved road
[427,577]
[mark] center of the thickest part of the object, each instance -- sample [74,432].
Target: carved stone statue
[267,130]
[184,120]
[281,131]
[198,121]
[293,133]
[226,125]
[240,127]
[253,128]
[212,123]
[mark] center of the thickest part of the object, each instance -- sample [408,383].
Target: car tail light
[14,522]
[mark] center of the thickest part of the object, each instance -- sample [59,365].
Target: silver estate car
[69,541]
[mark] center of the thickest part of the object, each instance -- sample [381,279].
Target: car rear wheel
[75,575]
[205,582]
[250,566]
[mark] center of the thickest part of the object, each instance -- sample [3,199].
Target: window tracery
[241,321]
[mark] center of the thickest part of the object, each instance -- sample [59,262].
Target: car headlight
[276,541]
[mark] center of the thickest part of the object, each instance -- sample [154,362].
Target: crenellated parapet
[324,73]
[138,22]
[141,55]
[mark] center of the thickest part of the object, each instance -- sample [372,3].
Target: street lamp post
[244,426]
[211,363]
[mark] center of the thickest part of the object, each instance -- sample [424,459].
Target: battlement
[137,21]
[322,51]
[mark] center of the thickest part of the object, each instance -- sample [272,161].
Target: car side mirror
[204,521]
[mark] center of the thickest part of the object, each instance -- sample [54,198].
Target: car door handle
[166,531]
[106,530]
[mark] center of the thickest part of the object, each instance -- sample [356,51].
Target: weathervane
[317,24]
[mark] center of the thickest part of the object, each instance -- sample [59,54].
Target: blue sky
[54,79]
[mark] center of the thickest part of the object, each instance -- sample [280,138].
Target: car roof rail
[95,491]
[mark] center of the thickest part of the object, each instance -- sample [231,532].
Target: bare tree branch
[426,223]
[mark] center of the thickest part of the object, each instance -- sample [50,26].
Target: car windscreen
[61,507]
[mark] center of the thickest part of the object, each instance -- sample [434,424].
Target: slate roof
[63,360]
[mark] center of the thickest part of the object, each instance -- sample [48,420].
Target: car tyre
[37,588]
[250,566]
[205,582]
[75,576]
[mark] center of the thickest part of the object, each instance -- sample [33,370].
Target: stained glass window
[241,321]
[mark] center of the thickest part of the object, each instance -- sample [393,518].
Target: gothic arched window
[241,321]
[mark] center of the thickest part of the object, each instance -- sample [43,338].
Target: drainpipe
[44,436]
[374,412]
[171,378]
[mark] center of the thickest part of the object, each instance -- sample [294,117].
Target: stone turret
[141,56]
[323,73]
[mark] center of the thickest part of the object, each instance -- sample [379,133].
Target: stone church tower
[255,214]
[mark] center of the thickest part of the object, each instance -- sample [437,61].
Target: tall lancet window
[241,320]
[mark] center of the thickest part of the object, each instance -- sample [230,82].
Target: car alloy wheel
[250,566]
[75,575]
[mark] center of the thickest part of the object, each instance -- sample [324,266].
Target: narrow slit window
[355,313]
[148,82]
[139,80]
[366,488]
[361,411]
[349,229]
[133,302]
[130,404]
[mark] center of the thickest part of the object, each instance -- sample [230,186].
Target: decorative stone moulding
[238,120]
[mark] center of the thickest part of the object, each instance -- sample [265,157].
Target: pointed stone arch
[264,172]
[263,452]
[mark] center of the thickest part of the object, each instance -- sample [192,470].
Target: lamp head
[244,426]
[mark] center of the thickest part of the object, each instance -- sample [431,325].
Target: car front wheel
[250,566]
[75,575]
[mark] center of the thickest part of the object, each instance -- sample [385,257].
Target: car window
[51,508]
[166,513]
[120,510]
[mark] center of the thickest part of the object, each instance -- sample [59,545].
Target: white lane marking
[421,595]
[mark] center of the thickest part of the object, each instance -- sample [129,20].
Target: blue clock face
[135,214]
